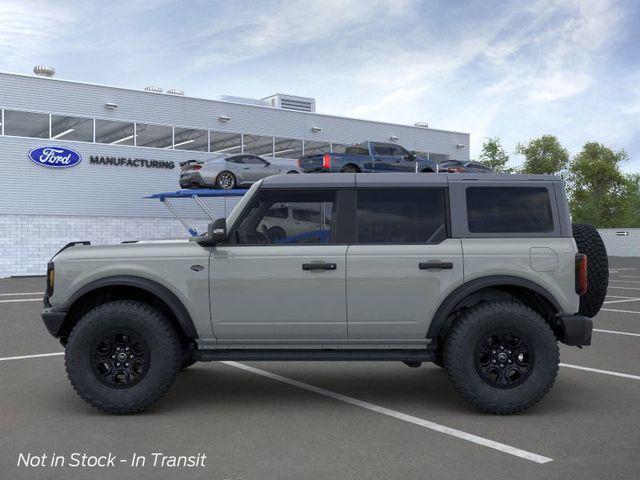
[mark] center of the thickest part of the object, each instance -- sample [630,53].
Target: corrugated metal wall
[88,189]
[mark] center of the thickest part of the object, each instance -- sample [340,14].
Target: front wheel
[502,357]
[122,356]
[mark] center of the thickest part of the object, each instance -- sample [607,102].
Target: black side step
[310,355]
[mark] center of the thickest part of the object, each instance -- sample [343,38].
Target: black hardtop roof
[346,180]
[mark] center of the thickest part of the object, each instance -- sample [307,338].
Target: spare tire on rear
[590,243]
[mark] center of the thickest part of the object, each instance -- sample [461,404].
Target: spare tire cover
[590,243]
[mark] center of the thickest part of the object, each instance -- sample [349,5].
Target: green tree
[543,155]
[494,156]
[600,193]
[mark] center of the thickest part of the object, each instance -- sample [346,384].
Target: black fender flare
[154,288]
[459,294]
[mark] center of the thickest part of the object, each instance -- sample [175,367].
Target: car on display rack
[481,274]
[460,166]
[368,157]
[230,171]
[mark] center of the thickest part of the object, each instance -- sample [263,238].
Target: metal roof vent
[175,91]
[291,102]
[153,88]
[44,71]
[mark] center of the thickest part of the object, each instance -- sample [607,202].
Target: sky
[508,69]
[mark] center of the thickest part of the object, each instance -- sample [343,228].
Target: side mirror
[217,230]
[216,233]
[410,156]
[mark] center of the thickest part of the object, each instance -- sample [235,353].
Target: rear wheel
[122,356]
[292,172]
[590,243]
[350,169]
[502,357]
[225,180]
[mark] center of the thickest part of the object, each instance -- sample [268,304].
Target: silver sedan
[229,171]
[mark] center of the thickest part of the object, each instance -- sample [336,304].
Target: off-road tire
[590,243]
[468,332]
[146,322]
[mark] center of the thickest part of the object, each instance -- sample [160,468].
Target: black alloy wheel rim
[120,358]
[504,359]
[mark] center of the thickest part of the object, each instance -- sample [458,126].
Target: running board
[310,355]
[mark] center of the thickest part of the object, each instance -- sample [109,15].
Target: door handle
[319,266]
[435,265]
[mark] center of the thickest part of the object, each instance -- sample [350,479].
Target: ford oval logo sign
[56,157]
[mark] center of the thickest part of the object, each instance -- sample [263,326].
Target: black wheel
[350,169]
[122,356]
[292,172]
[277,233]
[590,243]
[502,357]
[225,180]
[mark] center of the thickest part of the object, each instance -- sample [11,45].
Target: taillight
[453,170]
[326,161]
[581,274]
[298,163]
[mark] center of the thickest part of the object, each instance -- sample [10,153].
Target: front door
[281,278]
[402,263]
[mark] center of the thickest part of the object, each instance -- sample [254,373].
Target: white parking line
[39,355]
[629,276]
[616,332]
[485,442]
[623,288]
[623,281]
[597,370]
[16,300]
[629,299]
[618,311]
[18,294]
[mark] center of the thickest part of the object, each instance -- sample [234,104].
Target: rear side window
[401,216]
[509,210]
[357,151]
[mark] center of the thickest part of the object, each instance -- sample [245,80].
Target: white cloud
[29,30]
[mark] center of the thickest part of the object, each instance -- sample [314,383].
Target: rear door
[402,263]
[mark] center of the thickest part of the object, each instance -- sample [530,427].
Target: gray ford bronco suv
[482,274]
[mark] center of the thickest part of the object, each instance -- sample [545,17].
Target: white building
[147,133]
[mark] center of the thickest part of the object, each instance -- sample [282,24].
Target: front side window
[26,124]
[267,220]
[509,210]
[401,216]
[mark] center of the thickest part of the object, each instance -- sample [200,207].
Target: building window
[115,133]
[190,139]
[287,148]
[157,136]
[316,148]
[257,145]
[26,124]
[227,143]
[71,128]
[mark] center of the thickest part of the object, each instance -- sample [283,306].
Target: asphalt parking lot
[333,420]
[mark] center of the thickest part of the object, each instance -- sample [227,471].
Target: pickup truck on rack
[482,274]
[368,157]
